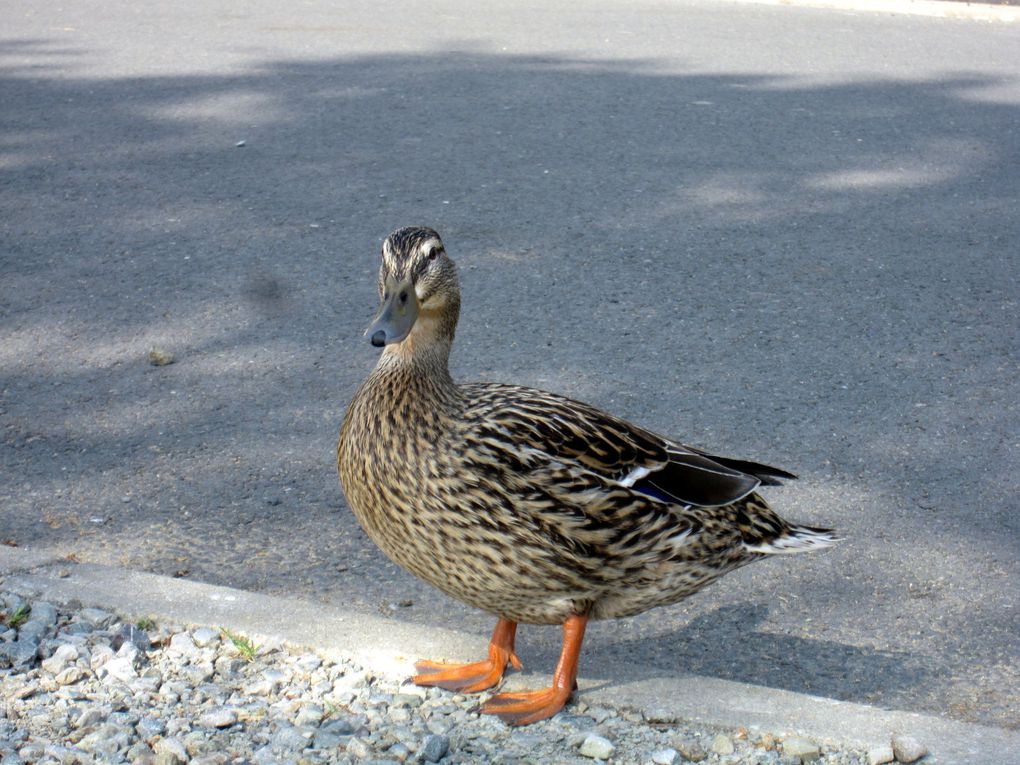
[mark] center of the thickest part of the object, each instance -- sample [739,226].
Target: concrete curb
[388,647]
[933,8]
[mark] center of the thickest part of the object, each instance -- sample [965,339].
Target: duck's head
[418,289]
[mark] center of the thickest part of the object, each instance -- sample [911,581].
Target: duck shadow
[729,643]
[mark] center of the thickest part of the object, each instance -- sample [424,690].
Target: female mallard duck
[529,505]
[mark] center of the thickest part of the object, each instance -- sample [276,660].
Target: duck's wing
[573,432]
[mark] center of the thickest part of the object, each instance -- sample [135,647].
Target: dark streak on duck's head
[418,288]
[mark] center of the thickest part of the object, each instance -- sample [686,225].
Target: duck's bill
[397,314]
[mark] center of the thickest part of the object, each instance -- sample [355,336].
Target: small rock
[722,744]
[341,726]
[44,612]
[223,717]
[159,357]
[275,676]
[26,691]
[309,715]
[351,681]
[324,739]
[908,749]
[173,746]
[434,748]
[196,674]
[90,717]
[182,645]
[64,655]
[308,662]
[140,754]
[289,739]
[399,715]
[118,668]
[692,750]
[807,750]
[228,666]
[62,754]
[197,743]
[129,633]
[97,617]
[399,752]
[665,756]
[204,637]
[106,739]
[150,727]
[404,699]
[69,676]
[660,716]
[880,755]
[597,747]
[32,752]
[359,748]
[100,655]
[20,654]
[129,651]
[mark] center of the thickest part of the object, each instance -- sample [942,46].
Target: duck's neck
[420,371]
[408,357]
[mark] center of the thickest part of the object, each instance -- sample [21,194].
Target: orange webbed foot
[464,678]
[526,707]
[479,676]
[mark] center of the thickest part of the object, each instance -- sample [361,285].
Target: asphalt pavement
[780,233]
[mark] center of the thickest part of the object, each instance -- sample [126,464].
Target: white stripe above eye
[634,476]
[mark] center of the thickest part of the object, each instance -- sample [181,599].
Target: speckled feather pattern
[514,500]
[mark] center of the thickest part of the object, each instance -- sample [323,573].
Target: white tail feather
[797,539]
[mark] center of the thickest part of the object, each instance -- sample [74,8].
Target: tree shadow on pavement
[813,274]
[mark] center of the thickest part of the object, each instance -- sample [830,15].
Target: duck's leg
[531,706]
[471,678]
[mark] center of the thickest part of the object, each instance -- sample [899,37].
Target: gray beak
[397,314]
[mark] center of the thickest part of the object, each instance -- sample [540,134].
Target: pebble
[170,749]
[159,357]
[665,756]
[908,749]
[205,636]
[359,748]
[805,749]
[880,755]
[218,718]
[100,689]
[95,617]
[183,645]
[597,747]
[434,748]
[64,655]
[44,612]
[723,744]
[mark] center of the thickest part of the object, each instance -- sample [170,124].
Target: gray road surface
[780,233]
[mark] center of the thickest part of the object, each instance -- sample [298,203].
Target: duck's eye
[434,253]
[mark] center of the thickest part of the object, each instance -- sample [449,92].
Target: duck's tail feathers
[795,539]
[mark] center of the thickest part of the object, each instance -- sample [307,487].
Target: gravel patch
[84,686]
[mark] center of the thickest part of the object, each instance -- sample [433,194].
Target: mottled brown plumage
[526,504]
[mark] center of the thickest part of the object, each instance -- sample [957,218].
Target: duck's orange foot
[464,678]
[480,676]
[531,706]
[526,707]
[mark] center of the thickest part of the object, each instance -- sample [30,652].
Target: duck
[531,506]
